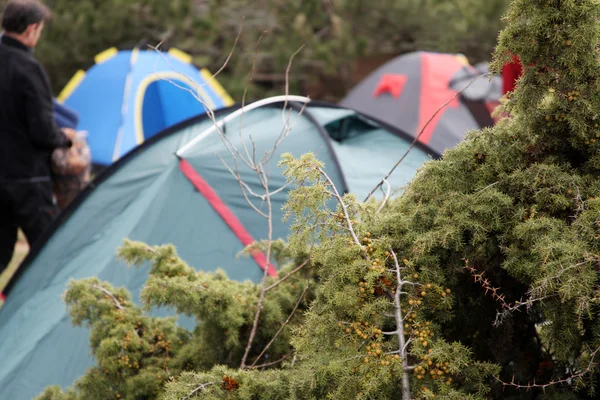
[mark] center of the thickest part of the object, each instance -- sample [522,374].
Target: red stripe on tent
[230,219]
[2,297]
[437,71]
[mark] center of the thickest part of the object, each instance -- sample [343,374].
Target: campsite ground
[21,250]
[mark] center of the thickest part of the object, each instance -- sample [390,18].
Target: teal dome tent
[174,189]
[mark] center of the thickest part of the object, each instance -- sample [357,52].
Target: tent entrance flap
[159,111]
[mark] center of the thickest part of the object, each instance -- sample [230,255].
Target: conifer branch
[282,326]
[415,141]
[112,296]
[197,389]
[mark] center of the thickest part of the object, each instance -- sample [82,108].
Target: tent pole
[237,113]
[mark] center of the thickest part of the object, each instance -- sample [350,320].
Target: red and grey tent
[408,90]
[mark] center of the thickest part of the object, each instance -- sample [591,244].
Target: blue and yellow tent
[129,96]
[175,189]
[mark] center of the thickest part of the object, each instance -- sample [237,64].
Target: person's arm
[37,98]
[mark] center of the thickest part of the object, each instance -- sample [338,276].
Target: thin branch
[402,344]
[568,380]
[419,135]
[387,195]
[409,341]
[250,78]
[486,284]
[279,282]
[243,187]
[487,187]
[339,198]
[282,326]
[237,38]
[199,388]
[112,296]
[259,307]
[270,364]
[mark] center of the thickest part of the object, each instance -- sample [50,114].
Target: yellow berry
[415,276]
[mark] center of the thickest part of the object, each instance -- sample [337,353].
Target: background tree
[344,39]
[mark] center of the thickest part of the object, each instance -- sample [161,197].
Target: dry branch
[282,326]
[109,294]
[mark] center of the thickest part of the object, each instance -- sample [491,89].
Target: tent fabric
[407,92]
[194,203]
[128,96]
[65,117]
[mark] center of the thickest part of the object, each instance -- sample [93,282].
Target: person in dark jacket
[28,134]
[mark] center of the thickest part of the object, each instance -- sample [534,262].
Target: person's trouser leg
[8,229]
[35,210]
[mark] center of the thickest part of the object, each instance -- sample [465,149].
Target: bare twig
[486,284]
[287,92]
[340,200]
[568,380]
[487,187]
[197,389]
[419,135]
[402,344]
[282,326]
[109,294]
[279,282]
[270,364]
[386,197]
[264,280]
